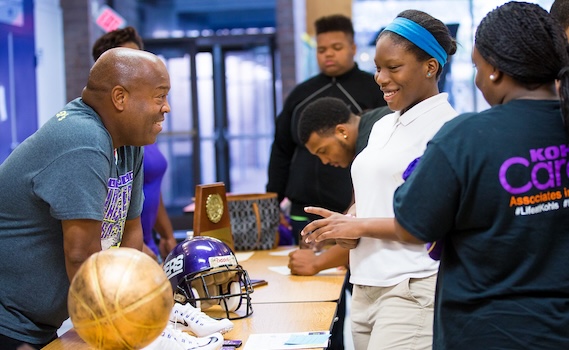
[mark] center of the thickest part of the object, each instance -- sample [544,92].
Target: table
[266,318]
[283,318]
[286,288]
[285,304]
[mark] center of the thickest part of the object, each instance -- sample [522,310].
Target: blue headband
[418,36]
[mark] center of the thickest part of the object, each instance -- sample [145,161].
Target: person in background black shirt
[293,172]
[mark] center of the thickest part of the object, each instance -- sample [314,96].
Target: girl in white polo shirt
[394,283]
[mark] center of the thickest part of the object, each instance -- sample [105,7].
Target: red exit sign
[109,20]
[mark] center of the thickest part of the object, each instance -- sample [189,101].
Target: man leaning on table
[64,190]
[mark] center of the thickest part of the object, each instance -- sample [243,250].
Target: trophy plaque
[211,215]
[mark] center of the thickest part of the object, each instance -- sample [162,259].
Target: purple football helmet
[204,272]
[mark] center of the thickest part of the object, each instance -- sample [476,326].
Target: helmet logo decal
[174,266]
[216,261]
[214,207]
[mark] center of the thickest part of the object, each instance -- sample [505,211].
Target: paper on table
[284,270]
[243,256]
[282,252]
[286,252]
[285,341]
[332,271]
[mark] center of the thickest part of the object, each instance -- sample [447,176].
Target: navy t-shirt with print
[495,186]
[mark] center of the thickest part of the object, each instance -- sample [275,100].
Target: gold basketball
[119,299]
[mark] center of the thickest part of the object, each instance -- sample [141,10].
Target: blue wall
[17,75]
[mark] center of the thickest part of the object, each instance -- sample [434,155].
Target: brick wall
[80,32]
[76,43]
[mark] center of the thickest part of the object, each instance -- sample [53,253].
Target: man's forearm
[132,235]
[333,257]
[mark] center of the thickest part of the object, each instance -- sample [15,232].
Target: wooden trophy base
[211,215]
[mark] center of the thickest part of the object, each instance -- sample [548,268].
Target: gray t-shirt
[67,170]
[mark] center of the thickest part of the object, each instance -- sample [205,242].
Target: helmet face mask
[204,272]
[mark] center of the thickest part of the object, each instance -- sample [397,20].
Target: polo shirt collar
[421,108]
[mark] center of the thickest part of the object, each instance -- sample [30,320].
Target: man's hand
[306,262]
[166,245]
[146,249]
[303,262]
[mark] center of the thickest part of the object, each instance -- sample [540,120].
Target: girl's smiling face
[403,79]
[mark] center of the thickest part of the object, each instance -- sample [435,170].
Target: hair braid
[560,11]
[523,41]
[564,96]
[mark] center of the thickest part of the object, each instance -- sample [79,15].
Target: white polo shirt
[394,142]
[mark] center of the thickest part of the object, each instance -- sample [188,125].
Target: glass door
[223,108]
